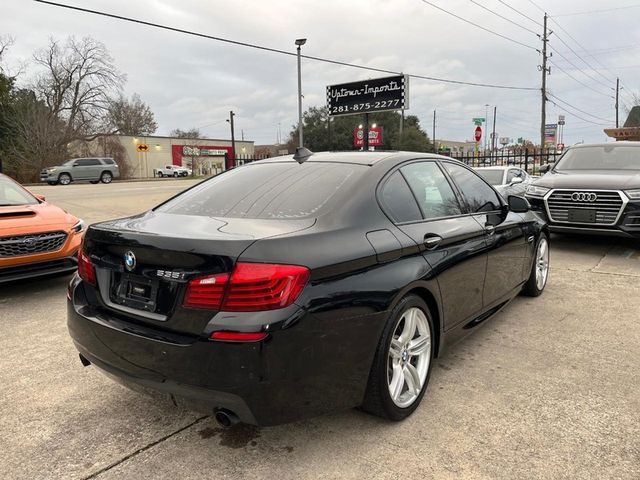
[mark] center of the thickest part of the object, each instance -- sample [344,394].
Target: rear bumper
[297,372]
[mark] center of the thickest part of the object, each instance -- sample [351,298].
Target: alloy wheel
[106,178]
[542,263]
[409,357]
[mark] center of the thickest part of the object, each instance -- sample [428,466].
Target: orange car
[36,238]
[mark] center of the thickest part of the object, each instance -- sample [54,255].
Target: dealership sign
[375,136]
[375,95]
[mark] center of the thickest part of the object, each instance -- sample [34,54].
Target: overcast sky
[194,82]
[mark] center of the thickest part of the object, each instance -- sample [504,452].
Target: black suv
[592,188]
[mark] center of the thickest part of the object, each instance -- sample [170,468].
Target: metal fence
[529,160]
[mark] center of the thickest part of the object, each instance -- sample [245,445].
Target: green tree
[322,132]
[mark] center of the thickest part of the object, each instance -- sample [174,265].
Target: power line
[282,52]
[578,55]
[565,110]
[537,6]
[598,11]
[579,81]
[577,109]
[475,25]
[577,68]
[520,13]
[502,17]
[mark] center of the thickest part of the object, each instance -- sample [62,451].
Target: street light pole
[299,43]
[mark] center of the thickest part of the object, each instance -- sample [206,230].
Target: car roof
[622,143]
[361,158]
[497,167]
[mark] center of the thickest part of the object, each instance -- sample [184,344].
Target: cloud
[190,81]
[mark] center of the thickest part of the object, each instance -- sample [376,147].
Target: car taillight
[86,270]
[206,292]
[251,287]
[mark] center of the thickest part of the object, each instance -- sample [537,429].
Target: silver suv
[82,169]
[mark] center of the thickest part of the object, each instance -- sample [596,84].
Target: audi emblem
[584,197]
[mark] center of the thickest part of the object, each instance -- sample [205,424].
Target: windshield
[13,194]
[270,191]
[493,177]
[70,162]
[600,158]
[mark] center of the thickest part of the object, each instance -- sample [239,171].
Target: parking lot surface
[549,388]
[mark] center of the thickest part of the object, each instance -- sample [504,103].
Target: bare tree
[131,117]
[191,133]
[77,84]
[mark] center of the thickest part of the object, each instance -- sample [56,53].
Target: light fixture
[360,126]
[301,41]
[374,125]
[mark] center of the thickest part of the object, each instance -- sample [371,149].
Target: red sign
[478,133]
[375,136]
[198,151]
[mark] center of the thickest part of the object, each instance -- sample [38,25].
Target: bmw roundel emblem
[129,260]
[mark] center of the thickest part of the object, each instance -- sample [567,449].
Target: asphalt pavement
[549,389]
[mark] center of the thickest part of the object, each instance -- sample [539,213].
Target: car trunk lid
[144,263]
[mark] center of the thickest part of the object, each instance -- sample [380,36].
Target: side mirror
[516,180]
[545,168]
[518,204]
[74,165]
[39,197]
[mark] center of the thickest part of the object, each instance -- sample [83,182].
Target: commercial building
[205,156]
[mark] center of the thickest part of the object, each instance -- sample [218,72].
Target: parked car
[36,238]
[93,170]
[593,188]
[279,289]
[506,180]
[171,171]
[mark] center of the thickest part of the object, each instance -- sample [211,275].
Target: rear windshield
[493,177]
[270,191]
[600,158]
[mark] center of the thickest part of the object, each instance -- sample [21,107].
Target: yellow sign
[143,147]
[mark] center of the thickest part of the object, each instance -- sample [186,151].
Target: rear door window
[479,195]
[270,191]
[431,189]
[398,201]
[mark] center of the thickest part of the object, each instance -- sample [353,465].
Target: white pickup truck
[171,171]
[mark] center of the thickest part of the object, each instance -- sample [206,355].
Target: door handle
[431,241]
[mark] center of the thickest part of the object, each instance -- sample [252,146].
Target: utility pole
[401,130]
[233,140]
[435,147]
[493,134]
[486,126]
[545,70]
[299,43]
[617,92]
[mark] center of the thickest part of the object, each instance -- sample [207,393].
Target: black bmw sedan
[592,189]
[284,289]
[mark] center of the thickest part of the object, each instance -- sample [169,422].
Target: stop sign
[478,133]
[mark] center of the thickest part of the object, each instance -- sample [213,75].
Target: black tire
[377,400]
[106,177]
[52,183]
[175,174]
[94,181]
[64,179]
[532,287]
